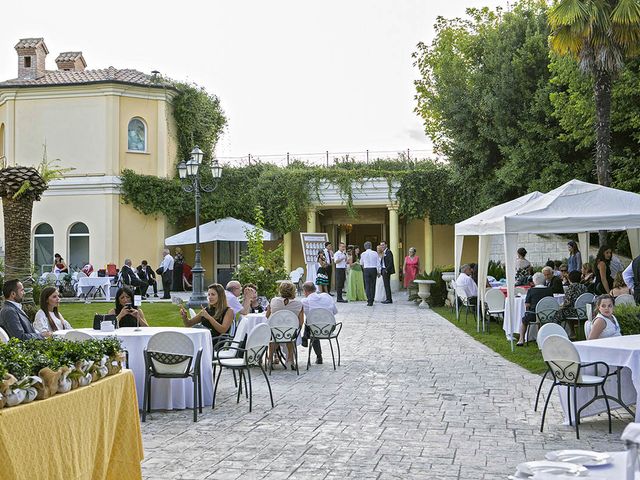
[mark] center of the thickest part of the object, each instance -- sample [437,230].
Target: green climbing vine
[284,193]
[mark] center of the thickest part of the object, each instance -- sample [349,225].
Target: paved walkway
[414,398]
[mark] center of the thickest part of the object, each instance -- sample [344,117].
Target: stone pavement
[414,398]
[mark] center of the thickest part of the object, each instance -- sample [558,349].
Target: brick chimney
[32,53]
[71,62]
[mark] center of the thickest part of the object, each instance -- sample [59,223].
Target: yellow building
[97,122]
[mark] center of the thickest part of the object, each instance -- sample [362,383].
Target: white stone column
[311,219]
[287,244]
[394,240]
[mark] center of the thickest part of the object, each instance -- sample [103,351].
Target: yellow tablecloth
[92,432]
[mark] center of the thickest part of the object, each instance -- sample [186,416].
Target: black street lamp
[190,171]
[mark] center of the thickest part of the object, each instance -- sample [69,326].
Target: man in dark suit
[388,269]
[552,281]
[146,274]
[130,277]
[12,318]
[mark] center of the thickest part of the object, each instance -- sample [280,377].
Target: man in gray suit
[12,318]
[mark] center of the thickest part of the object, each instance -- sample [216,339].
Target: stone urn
[447,278]
[424,291]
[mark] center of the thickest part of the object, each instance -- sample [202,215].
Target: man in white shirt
[312,301]
[167,273]
[340,259]
[631,277]
[233,292]
[465,282]
[370,263]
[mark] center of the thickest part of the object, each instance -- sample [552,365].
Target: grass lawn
[528,357]
[80,315]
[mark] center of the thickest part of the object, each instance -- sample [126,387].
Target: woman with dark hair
[217,316]
[521,262]
[127,314]
[573,291]
[58,264]
[322,275]
[574,263]
[48,318]
[603,282]
[619,287]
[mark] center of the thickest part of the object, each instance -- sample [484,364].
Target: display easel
[312,243]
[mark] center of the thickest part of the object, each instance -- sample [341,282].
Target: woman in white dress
[48,318]
[380,295]
[605,324]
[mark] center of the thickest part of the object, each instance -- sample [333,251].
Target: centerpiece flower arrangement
[38,369]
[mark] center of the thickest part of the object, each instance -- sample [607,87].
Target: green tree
[600,35]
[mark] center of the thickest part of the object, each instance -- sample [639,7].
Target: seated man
[551,280]
[130,277]
[233,292]
[12,318]
[146,274]
[534,295]
[312,301]
[465,281]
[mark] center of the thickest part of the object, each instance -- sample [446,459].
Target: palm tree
[19,188]
[600,35]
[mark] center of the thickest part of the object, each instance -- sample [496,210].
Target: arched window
[78,246]
[43,248]
[137,135]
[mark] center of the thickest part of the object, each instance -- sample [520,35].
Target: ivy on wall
[285,193]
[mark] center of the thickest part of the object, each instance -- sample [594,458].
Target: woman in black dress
[126,313]
[217,316]
[177,284]
[603,282]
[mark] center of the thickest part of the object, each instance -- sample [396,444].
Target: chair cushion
[232,362]
[590,379]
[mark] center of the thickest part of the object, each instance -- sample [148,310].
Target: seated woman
[58,264]
[126,313]
[619,287]
[534,295]
[588,277]
[286,300]
[605,324]
[217,316]
[48,318]
[574,290]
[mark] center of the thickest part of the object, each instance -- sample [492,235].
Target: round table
[166,393]
[519,313]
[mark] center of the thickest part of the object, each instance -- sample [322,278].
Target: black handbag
[159,271]
[99,318]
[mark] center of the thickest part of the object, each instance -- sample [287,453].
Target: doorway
[365,232]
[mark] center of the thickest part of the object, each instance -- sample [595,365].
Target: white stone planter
[448,276]
[424,291]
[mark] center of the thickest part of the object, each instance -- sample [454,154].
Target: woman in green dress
[355,282]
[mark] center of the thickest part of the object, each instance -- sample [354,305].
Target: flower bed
[38,369]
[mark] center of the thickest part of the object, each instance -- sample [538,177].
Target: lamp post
[190,171]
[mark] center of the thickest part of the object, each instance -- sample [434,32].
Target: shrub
[629,319]
[496,270]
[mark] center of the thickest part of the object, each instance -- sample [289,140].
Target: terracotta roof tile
[103,75]
[68,56]
[31,43]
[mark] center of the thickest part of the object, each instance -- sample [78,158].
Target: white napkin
[632,433]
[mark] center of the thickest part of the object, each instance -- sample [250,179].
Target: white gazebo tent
[224,229]
[575,207]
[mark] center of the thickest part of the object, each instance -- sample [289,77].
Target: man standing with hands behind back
[369,261]
[340,259]
[388,269]
[166,269]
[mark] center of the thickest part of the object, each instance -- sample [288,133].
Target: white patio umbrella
[224,229]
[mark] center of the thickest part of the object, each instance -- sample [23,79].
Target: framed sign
[311,244]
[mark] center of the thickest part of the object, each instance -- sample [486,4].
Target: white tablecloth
[86,284]
[166,394]
[614,351]
[517,321]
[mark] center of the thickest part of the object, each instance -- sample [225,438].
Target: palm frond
[26,185]
[49,169]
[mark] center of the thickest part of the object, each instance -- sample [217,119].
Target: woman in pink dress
[411,267]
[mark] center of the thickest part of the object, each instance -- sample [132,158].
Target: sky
[293,76]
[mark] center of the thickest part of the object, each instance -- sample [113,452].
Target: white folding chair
[4,336]
[322,326]
[285,328]
[462,295]
[255,348]
[494,301]
[563,361]
[546,311]
[170,355]
[545,331]
[625,299]
[580,307]
[77,336]
[51,279]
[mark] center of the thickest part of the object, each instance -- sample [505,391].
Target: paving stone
[414,397]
